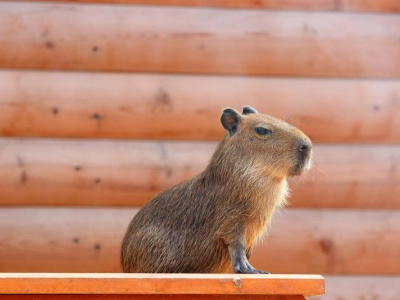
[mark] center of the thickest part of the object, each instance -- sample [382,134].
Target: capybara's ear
[230,119]
[249,110]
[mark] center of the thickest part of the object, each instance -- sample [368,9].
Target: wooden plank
[88,240]
[150,297]
[71,172]
[312,5]
[161,284]
[337,288]
[92,105]
[207,41]
[361,287]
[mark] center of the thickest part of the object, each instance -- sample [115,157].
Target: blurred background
[103,103]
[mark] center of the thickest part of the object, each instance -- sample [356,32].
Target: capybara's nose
[304,148]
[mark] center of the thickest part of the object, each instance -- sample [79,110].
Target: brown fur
[201,225]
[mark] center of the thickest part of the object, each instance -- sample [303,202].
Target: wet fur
[201,225]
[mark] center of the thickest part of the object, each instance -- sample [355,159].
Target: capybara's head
[265,143]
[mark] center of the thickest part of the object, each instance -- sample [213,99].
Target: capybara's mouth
[296,170]
[304,164]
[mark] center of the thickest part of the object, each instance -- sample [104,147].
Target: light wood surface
[124,173]
[299,241]
[207,41]
[139,106]
[313,5]
[361,287]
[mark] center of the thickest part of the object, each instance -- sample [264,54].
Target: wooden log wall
[88,239]
[125,173]
[135,106]
[205,41]
[103,103]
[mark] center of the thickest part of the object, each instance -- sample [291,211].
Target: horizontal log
[92,105]
[161,284]
[70,172]
[88,240]
[206,41]
[361,287]
[313,5]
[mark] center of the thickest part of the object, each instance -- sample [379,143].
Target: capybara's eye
[262,131]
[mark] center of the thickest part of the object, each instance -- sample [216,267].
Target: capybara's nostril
[304,148]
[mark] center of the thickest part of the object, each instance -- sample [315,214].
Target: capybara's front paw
[243,268]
